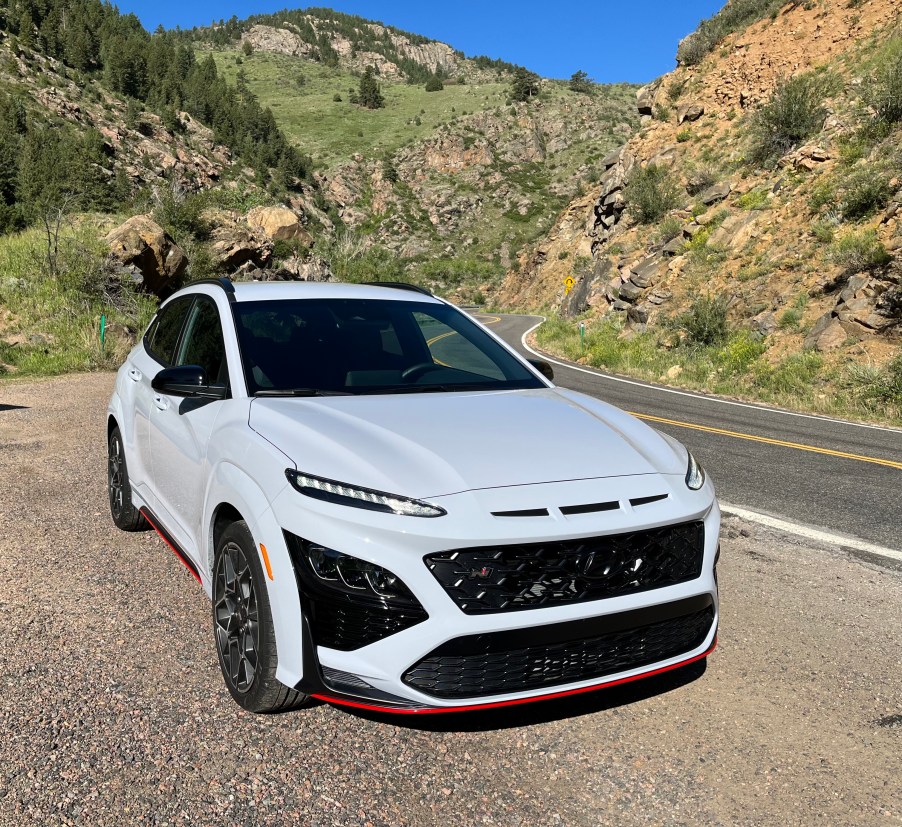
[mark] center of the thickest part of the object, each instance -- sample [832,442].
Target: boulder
[142,244]
[630,292]
[734,232]
[648,271]
[278,224]
[716,193]
[690,112]
[235,245]
[645,99]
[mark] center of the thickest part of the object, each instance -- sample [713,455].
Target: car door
[180,429]
[144,362]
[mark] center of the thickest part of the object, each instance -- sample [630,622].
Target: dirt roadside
[113,710]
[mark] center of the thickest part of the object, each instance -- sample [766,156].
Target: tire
[243,628]
[122,510]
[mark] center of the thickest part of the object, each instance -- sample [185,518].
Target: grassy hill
[301,95]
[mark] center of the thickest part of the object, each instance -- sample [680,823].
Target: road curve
[835,476]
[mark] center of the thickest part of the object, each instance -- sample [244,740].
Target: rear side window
[163,336]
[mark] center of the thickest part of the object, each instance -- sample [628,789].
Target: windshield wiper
[299,392]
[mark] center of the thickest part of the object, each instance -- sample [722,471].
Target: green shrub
[669,229]
[705,323]
[684,135]
[823,231]
[652,193]
[434,84]
[864,191]
[858,251]
[755,199]
[794,113]
[883,92]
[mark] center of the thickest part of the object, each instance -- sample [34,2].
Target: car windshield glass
[366,346]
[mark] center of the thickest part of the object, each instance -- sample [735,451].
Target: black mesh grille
[484,665]
[535,575]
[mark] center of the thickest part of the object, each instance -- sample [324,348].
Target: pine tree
[369,94]
[580,82]
[525,85]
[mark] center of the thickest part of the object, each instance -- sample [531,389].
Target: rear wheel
[243,627]
[124,513]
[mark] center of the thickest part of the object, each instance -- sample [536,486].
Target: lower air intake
[546,656]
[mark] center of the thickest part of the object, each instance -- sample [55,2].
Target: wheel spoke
[235,617]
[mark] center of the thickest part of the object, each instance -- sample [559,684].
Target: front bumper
[451,660]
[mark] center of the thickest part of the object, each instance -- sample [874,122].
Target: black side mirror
[187,380]
[543,367]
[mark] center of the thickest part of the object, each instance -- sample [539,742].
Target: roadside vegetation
[51,307]
[701,351]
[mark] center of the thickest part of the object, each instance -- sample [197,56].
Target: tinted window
[370,346]
[164,336]
[203,344]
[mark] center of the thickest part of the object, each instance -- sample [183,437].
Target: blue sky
[627,41]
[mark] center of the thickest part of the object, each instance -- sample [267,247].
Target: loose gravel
[113,711]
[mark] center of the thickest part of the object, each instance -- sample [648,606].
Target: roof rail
[401,285]
[224,282]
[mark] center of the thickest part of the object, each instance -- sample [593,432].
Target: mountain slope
[760,196]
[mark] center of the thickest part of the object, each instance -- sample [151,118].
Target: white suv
[390,509]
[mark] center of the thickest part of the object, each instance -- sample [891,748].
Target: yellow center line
[752,438]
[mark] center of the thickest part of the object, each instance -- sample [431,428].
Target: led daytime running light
[340,493]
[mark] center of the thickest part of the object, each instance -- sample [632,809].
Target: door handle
[161,403]
[135,375]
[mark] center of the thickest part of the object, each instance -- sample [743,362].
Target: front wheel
[243,627]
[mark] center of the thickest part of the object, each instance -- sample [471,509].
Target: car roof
[280,290]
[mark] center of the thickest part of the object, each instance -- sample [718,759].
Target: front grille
[546,656]
[535,575]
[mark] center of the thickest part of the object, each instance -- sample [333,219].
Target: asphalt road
[858,498]
[113,711]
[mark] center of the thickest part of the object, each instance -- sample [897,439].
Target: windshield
[308,347]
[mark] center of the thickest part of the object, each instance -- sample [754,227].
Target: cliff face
[768,235]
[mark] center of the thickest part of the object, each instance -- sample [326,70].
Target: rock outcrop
[143,245]
[278,224]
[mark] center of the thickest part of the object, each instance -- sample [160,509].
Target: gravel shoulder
[113,710]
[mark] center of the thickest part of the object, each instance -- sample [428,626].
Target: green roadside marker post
[102,333]
[582,335]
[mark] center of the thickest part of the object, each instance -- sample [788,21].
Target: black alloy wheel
[236,617]
[124,513]
[243,626]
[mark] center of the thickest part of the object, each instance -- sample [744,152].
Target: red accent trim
[436,710]
[184,560]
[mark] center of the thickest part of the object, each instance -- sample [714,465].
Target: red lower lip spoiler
[436,710]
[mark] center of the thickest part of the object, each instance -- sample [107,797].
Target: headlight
[695,475]
[353,575]
[342,494]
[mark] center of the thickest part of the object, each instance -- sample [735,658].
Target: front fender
[231,486]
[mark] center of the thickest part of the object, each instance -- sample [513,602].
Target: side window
[203,344]
[162,338]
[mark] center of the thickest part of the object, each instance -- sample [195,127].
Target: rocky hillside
[348,42]
[446,187]
[765,178]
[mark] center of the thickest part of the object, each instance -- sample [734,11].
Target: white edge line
[810,533]
[703,397]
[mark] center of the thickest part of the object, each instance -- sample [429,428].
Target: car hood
[434,444]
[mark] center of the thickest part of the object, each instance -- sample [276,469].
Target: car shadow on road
[542,712]
[12,407]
